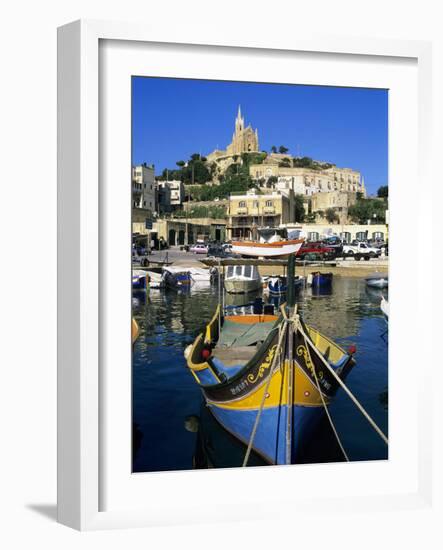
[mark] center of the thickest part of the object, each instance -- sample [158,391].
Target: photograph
[260,274]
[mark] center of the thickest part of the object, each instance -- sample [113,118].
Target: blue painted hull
[278,287]
[139,283]
[323,280]
[269,440]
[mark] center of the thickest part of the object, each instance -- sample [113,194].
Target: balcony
[241,211]
[269,209]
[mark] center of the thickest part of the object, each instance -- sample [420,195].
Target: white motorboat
[240,279]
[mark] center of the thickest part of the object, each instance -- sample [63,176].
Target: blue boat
[278,285]
[139,279]
[176,277]
[321,279]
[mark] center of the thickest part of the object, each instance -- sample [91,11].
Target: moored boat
[155,280]
[377,280]
[200,275]
[139,279]
[176,277]
[321,279]
[241,279]
[271,242]
[278,285]
[271,368]
[275,249]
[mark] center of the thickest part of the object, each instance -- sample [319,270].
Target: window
[255,204]
[269,203]
[238,269]
[230,271]
[242,204]
[248,271]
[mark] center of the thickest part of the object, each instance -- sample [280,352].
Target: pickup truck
[361,250]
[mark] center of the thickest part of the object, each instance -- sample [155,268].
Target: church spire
[239,122]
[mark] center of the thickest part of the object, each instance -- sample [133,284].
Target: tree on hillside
[272,180]
[180,163]
[368,209]
[383,192]
[331,215]
[299,209]
[282,149]
[274,149]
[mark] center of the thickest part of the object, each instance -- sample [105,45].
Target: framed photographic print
[232,221]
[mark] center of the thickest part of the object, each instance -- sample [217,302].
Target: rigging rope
[323,400]
[282,330]
[350,394]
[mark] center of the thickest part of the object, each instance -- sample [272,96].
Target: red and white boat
[270,244]
[267,250]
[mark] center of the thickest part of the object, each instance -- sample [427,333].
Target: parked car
[361,250]
[199,248]
[217,251]
[336,243]
[320,250]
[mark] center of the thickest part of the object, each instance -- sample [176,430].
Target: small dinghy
[323,280]
[278,285]
[377,280]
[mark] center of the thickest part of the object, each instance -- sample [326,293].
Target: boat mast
[289,359]
[290,283]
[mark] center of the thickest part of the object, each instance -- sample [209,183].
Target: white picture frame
[84,208]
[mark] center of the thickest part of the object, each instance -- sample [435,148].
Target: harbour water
[166,397]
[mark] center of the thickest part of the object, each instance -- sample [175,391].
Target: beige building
[143,187]
[251,210]
[338,201]
[307,181]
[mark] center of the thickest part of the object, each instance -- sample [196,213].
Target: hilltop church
[244,140]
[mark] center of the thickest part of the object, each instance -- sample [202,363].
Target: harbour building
[248,211]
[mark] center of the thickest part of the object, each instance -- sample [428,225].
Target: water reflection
[165,394]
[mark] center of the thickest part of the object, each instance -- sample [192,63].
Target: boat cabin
[242,272]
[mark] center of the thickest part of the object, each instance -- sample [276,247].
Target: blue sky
[174,118]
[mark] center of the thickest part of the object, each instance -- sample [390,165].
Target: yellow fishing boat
[267,379]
